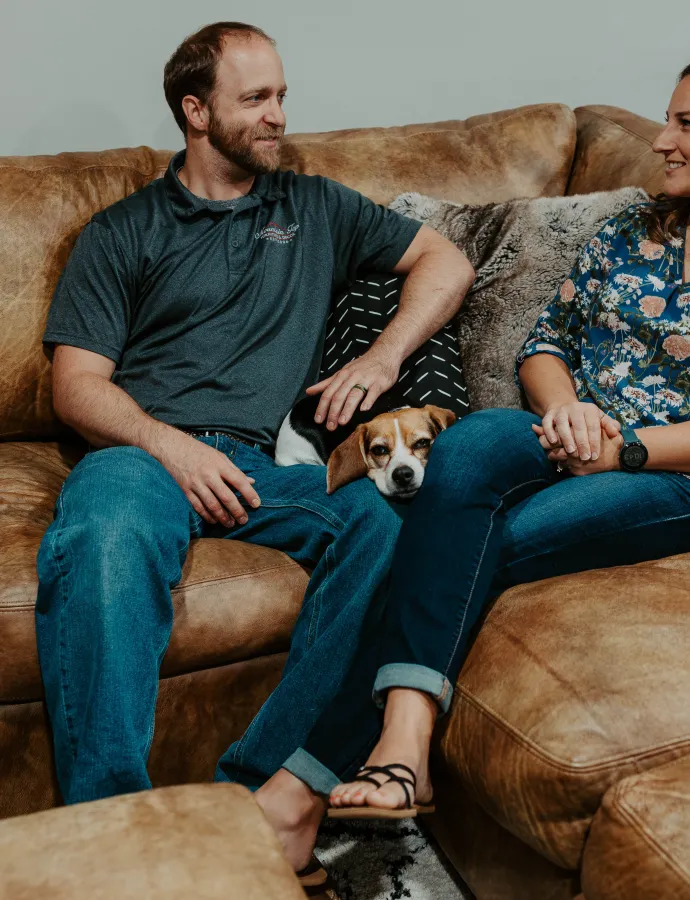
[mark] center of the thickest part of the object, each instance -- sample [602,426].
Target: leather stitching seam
[556,762]
[648,837]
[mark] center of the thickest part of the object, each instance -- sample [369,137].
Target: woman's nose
[664,142]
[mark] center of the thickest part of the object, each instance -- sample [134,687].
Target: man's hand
[607,459]
[376,370]
[206,476]
[578,428]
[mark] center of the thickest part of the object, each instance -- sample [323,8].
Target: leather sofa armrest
[639,843]
[203,840]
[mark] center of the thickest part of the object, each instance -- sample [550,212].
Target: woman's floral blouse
[621,322]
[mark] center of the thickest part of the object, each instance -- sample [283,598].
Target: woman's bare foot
[295,812]
[408,723]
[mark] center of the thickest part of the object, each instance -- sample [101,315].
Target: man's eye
[282,98]
[685,122]
[421,444]
[379,450]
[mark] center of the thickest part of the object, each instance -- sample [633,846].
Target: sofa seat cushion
[203,841]
[614,149]
[236,600]
[639,844]
[572,684]
[525,154]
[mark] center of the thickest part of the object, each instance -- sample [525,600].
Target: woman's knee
[494,432]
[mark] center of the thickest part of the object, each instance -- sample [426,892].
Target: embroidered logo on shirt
[277,233]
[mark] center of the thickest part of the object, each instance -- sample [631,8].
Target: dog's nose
[403,475]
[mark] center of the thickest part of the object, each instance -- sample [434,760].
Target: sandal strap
[366,773]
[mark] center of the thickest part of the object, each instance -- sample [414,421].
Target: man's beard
[237,144]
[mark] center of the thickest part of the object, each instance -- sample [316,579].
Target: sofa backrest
[614,149]
[45,201]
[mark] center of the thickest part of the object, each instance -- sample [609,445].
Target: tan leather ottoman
[639,844]
[209,842]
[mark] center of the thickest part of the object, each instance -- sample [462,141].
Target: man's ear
[348,461]
[441,418]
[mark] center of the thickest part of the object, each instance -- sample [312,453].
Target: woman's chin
[676,187]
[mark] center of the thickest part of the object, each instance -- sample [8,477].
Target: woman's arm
[668,447]
[566,422]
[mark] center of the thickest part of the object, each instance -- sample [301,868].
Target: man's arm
[439,275]
[85,399]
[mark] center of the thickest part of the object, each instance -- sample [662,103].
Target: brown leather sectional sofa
[564,766]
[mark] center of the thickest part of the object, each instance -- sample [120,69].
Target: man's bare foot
[295,812]
[408,723]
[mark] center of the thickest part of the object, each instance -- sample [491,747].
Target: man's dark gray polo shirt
[214,311]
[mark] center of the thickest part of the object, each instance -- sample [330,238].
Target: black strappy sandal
[409,811]
[313,874]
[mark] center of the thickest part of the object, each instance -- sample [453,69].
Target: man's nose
[275,115]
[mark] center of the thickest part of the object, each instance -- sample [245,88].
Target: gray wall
[87,74]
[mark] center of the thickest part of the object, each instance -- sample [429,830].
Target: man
[180,312]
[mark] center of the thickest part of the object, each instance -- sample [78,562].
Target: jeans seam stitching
[58,556]
[479,564]
[662,521]
[316,598]
[329,517]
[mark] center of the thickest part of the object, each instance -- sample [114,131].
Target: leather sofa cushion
[614,149]
[47,200]
[572,684]
[209,841]
[236,601]
[639,844]
[525,154]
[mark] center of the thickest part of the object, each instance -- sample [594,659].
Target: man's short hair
[192,67]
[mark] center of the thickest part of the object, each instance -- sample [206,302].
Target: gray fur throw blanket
[522,251]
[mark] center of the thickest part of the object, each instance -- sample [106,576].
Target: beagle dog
[388,444]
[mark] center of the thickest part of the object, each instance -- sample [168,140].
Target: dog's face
[392,450]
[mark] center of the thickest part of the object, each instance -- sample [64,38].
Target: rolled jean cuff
[309,770]
[410,675]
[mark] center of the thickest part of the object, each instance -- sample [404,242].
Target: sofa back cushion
[45,201]
[614,149]
[527,153]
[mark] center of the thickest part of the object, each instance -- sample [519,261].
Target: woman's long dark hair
[668,217]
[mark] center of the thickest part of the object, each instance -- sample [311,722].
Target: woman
[605,371]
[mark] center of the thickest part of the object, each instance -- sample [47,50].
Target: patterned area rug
[386,861]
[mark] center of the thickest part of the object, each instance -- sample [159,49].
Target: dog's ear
[441,418]
[348,461]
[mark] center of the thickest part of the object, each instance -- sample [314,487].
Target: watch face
[634,456]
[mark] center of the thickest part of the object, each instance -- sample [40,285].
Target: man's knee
[380,518]
[123,487]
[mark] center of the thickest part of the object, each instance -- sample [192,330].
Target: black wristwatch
[633,454]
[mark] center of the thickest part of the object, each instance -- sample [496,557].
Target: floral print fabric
[621,322]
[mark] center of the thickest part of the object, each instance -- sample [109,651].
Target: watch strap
[629,435]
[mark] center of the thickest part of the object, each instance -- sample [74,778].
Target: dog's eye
[421,444]
[379,450]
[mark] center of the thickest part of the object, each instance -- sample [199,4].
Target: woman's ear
[348,461]
[441,418]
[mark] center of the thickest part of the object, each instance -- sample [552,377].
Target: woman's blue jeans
[106,568]
[492,512]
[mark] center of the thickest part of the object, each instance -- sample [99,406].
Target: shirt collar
[186,204]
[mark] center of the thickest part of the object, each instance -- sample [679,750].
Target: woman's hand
[607,461]
[578,429]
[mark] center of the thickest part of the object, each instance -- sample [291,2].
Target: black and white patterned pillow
[432,374]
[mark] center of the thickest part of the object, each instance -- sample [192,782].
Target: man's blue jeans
[492,512]
[106,568]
